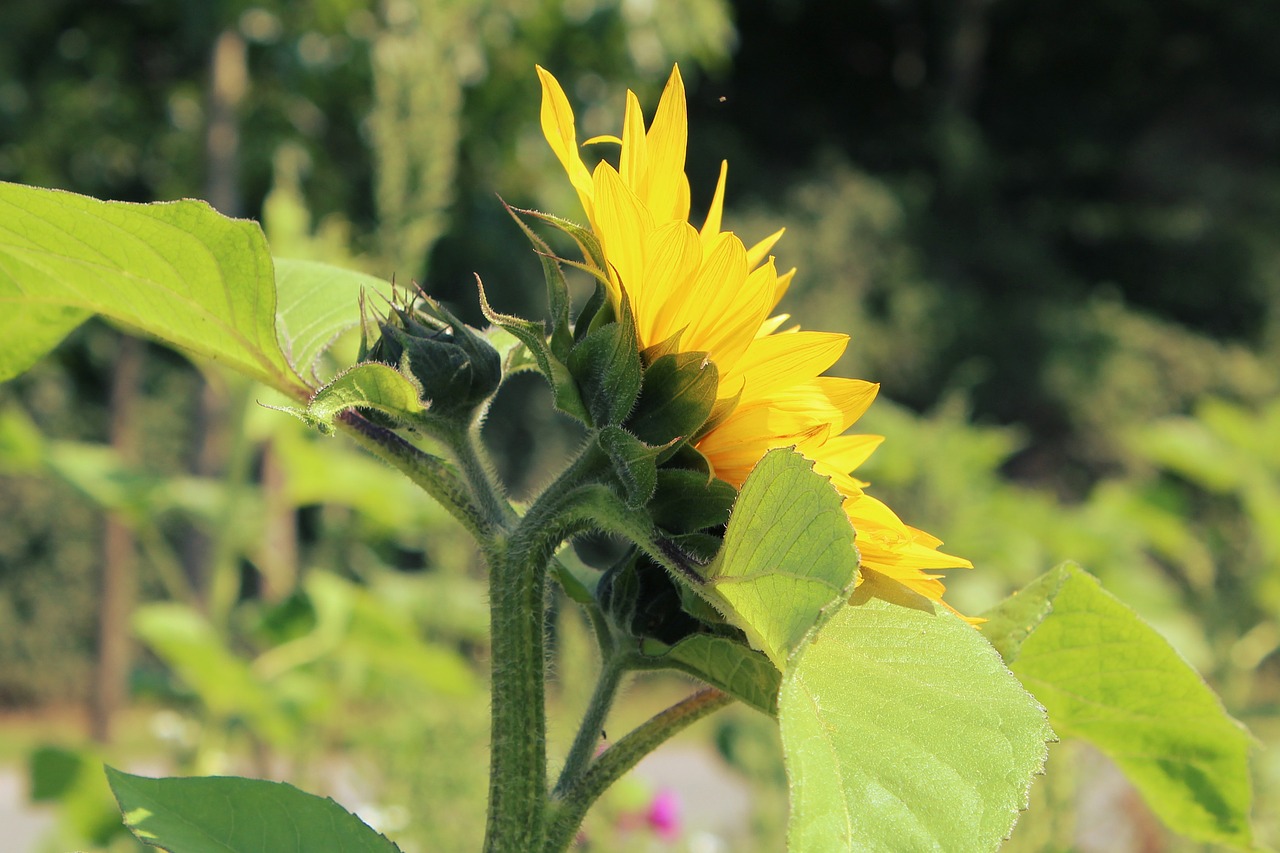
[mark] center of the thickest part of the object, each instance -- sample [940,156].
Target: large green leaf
[1108,677]
[31,332]
[903,731]
[788,553]
[177,270]
[227,814]
[316,303]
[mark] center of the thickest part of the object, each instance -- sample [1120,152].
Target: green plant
[902,726]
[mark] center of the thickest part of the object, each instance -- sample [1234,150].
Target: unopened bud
[455,367]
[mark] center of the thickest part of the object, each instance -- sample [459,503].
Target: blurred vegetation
[1050,228]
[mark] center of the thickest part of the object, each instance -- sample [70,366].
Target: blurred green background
[1051,229]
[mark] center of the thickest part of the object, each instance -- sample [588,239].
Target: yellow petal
[784,282]
[711,228]
[847,452]
[634,160]
[559,129]
[776,361]
[668,138]
[851,396]
[759,251]
[768,327]
[672,255]
[621,223]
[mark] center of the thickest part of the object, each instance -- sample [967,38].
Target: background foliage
[1050,228]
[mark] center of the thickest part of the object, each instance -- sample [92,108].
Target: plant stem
[467,448]
[517,608]
[436,477]
[584,744]
[566,813]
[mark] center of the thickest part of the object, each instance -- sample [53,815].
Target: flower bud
[454,366]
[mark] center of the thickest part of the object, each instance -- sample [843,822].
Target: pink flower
[664,815]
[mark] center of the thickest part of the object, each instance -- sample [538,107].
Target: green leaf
[903,730]
[1108,677]
[364,386]
[788,553]
[724,663]
[30,333]
[315,303]
[177,270]
[227,814]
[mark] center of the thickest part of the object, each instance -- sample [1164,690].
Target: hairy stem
[517,608]
[584,744]
[433,475]
[467,449]
[566,813]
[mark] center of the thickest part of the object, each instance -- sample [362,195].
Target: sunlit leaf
[33,331]
[1109,678]
[903,730]
[179,271]
[788,553]
[316,303]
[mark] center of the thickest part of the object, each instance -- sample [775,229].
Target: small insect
[723,99]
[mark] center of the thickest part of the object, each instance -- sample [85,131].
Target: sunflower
[706,291]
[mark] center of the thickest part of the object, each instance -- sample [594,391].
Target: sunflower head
[703,294]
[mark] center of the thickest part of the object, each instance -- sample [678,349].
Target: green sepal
[676,397]
[642,600]
[689,458]
[653,352]
[719,412]
[701,548]
[516,357]
[685,501]
[634,463]
[597,305]
[724,663]
[599,276]
[606,365]
[557,288]
[586,241]
[533,335]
